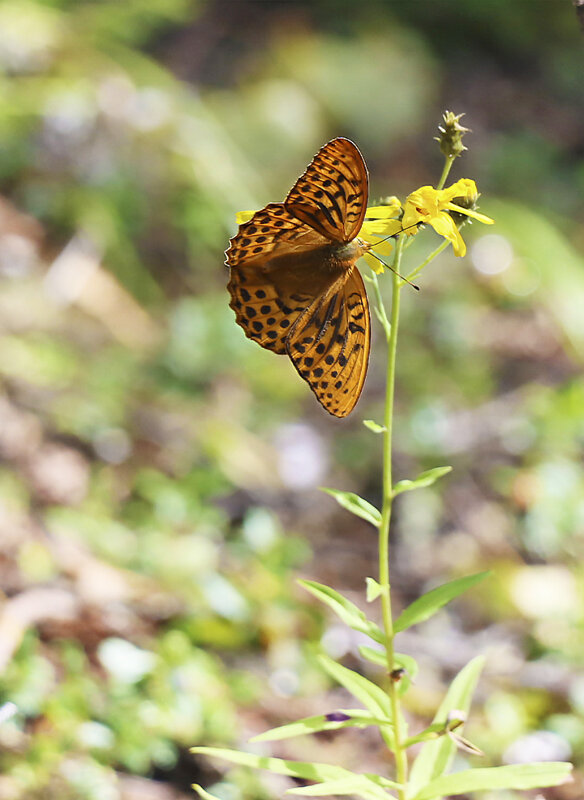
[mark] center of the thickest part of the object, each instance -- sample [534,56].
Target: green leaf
[375,656]
[359,785]
[435,757]
[516,776]
[374,589]
[407,663]
[429,734]
[423,480]
[379,657]
[431,602]
[344,609]
[368,693]
[356,505]
[202,793]
[295,769]
[374,426]
[321,722]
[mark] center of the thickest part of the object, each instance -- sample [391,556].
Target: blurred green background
[159,472]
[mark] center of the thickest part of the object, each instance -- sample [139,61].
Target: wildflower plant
[390,228]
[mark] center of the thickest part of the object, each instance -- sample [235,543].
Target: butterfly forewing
[271,229]
[331,196]
[329,345]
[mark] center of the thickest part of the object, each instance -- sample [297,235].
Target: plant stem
[446,169]
[391,336]
[442,246]
[379,305]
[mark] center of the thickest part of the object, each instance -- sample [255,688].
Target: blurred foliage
[159,472]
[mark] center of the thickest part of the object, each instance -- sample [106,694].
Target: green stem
[426,261]
[380,306]
[399,750]
[445,171]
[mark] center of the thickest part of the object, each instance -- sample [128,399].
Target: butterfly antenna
[401,277]
[397,233]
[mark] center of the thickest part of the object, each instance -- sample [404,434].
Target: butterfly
[293,282]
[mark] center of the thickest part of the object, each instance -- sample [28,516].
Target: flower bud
[337,716]
[451,133]
[468,202]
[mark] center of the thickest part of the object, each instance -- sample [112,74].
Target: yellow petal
[465,187]
[426,198]
[413,215]
[470,213]
[383,247]
[459,245]
[444,225]
[380,228]
[375,265]
[383,212]
[243,216]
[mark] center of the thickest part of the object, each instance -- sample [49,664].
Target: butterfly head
[345,255]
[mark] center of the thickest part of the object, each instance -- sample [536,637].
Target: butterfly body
[293,282]
[327,261]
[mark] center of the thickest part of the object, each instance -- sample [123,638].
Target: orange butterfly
[293,282]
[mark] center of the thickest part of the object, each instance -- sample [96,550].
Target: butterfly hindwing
[331,195]
[256,310]
[329,344]
[266,295]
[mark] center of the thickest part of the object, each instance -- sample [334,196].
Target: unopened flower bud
[451,133]
[469,202]
[337,716]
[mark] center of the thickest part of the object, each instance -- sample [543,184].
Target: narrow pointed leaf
[516,776]
[360,785]
[401,659]
[374,426]
[374,656]
[435,757]
[356,718]
[429,734]
[431,602]
[356,505]
[423,480]
[343,608]
[294,769]
[368,693]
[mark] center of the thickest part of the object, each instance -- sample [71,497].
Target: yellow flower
[430,206]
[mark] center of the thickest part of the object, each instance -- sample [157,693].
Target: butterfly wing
[271,280]
[293,292]
[331,195]
[329,344]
